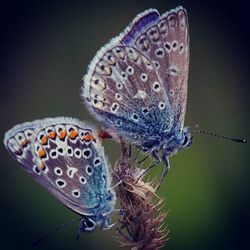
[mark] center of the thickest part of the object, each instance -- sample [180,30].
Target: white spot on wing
[159,52]
[114,107]
[144,77]
[61,183]
[71,171]
[140,94]
[156,86]
[130,70]
[58,171]
[76,193]
[161,105]
[118,96]
[174,45]
[36,170]
[82,179]
[89,170]
[173,70]
[77,153]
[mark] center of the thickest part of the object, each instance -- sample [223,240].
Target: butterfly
[65,156]
[136,85]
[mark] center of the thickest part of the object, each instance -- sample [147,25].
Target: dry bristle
[142,223]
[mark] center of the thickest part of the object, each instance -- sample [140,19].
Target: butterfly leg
[155,155]
[157,161]
[106,224]
[129,150]
[166,167]
[145,171]
[143,159]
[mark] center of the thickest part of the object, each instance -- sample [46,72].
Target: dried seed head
[142,221]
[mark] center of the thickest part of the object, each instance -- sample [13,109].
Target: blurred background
[45,50]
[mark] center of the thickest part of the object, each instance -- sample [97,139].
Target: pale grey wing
[166,44]
[66,158]
[124,92]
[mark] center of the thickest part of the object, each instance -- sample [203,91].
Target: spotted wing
[127,96]
[166,43]
[64,156]
[134,93]
[124,92]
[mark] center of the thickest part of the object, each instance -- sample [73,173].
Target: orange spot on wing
[41,153]
[88,137]
[44,140]
[73,134]
[62,134]
[52,134]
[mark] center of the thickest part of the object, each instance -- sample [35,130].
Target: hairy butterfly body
[136,85]
[65,156]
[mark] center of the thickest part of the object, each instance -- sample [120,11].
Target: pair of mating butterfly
[136,86]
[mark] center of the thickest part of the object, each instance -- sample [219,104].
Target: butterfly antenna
[220,136]
[47,235]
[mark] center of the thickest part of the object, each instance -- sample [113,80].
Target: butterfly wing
[64,156]
[166,43]
[128,92]
[125,93]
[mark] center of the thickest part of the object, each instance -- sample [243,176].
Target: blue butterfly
[65,156]
[136,85]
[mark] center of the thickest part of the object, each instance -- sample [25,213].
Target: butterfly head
[186,139]
[87,224]
[180,139]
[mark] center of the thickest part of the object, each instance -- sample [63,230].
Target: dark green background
[45,50]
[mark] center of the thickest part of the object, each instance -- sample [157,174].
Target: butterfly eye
[186,141]
[87,224]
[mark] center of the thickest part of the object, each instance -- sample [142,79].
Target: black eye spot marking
[60,150]
[162,105]
[97,161]
[123,74]
[167,47]
[77,153]
[118,122]
[156,87]
[36,170]
[61,183]
[89,170]
[87,153]
[135,117]
[58,171]
[82,180]
[104,176]
[174,45]
[144,77]
[114,107]
[76,193]
[159,52]
[130,70]
[156,64]
[53,154]
[70,151]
